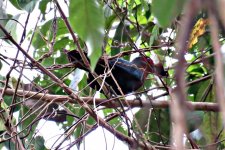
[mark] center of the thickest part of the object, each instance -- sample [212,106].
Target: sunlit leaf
[198,30]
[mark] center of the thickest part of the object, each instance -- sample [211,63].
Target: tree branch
[179,98]
[111,103]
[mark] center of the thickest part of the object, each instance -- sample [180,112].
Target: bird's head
[149,66]
[160,71]
[75,58]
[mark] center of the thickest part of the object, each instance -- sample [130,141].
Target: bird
[129,76]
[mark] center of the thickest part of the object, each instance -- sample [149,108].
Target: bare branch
[178,107]
[111,103]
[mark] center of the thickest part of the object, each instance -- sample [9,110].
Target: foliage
[109,29]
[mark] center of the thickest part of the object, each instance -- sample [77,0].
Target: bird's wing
[126,69]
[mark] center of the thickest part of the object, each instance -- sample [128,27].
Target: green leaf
[148,12]
[166,10]
[8,102]
[119,37]
[11,26]
[43,5]
[39,143]
[159,124]
[15,4]
[62,43]
[27,5]
[154,35]
[87,19]
[116,124]
[144,4]
[46,32]
[83,86]
[62,60]
[30,6]
[48,62]
[203,87]
[142,118]
[109,21]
